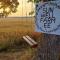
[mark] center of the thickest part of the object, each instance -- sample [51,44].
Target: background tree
[8,6]
[36,1]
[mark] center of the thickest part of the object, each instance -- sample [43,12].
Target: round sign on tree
[48,17]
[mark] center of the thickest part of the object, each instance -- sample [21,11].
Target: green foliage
[31,13]
[8,6]
[34,1]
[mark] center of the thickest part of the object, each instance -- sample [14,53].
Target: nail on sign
[48,17]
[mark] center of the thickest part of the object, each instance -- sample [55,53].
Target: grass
[11,32]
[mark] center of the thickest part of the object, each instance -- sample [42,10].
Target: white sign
[48,17]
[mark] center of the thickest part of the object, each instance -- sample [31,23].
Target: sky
[23,9]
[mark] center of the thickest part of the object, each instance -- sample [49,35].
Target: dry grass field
[16,24]
[12,46]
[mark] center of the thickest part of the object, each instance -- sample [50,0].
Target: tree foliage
[34,1]
[8,6]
